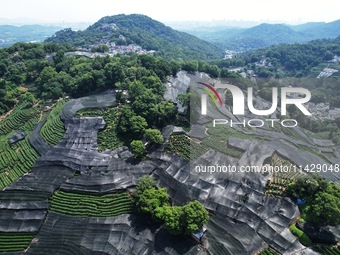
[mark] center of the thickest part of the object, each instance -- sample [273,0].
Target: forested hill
[317,61]
[262,36]
[292,60]
[143,31]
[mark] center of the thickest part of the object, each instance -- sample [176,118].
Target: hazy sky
[172,10]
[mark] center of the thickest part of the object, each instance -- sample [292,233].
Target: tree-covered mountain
[262,36]
[143,31]
[265,35]
[318,30]
[37,33]
[305,61]
[287,60]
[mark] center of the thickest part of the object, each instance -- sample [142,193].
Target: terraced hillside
[53,130]
[23,117]
[91,205]
[17,159]
[323,250]
[108,138]
[75,200]
[10,242]
[24,210]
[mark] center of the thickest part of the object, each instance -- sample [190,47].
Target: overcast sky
[292,11]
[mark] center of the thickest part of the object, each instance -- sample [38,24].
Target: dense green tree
[212,70]
[153,198]
[195,216]
[2,92]
[9,93]
[145,182]
[146,104]
[137,148]
[137,89]
[162,113]
[33,69]
[59,57]
[123,125]
[46,76]
[322,197]
[307,187]
[191,66]
[53,90]
[177,220]
[137,125]
[173,219]
[263,72]
[175,67]
[114,72]
[154,84]
[186,219]
[80,67]
[130,124]
[68,83]
[85,83]
[225,73]
[3,69]
[184,99]
[158,65]
[134,73]
[99,79]
[325,208]
[153,135]
[15,74]
[29,97]
[98,63]
[100,48]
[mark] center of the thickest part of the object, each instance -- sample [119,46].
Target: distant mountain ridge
[144,31]
[320,30]
[11,34]
[265,35]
